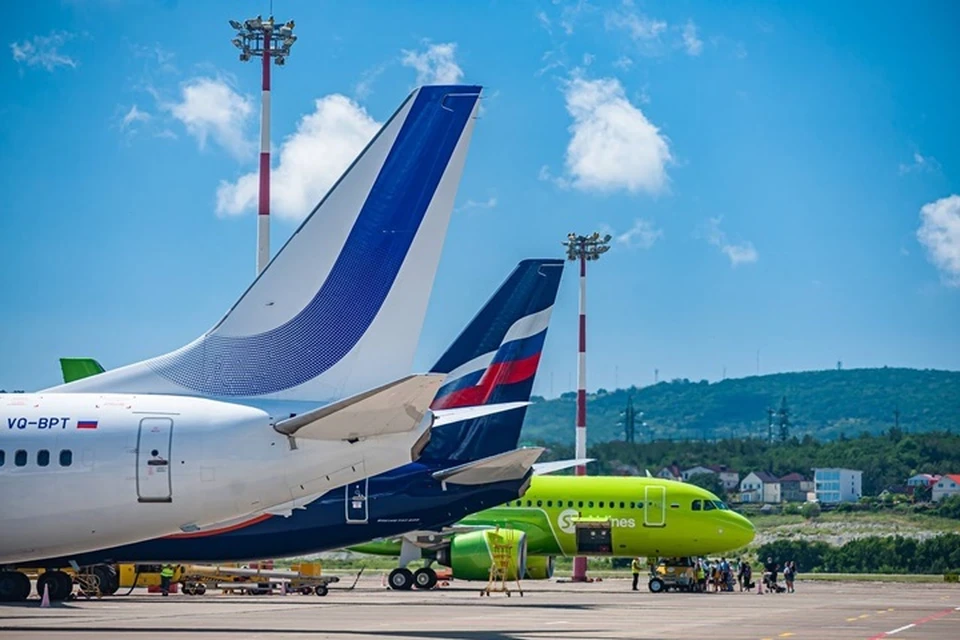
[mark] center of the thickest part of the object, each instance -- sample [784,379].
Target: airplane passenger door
[153,460]
[356,501]
[655,511]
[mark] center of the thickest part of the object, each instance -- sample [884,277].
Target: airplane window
[633,505]
[519,502]
[622,505]
[696,506]
[580,504]
[601,504]
[43,457]
[539,503]
[529,503]
[3,457]
[549,503]
[20,458]
[590,504]
[708,505]
[675,505]
[569,503]
[66,457]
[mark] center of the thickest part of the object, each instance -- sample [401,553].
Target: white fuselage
[144,466]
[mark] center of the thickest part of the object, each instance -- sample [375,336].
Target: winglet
[79,368]
[511,465]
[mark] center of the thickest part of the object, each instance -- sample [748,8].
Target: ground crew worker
[635,568]
[166,575]
[701,577]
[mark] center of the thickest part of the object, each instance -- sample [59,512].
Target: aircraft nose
[742,530]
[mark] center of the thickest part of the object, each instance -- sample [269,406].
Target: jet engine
[539,567]
[472,555]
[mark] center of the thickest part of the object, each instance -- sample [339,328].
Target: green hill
[824,404]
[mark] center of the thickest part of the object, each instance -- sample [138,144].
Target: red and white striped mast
[262,38]
[583,248]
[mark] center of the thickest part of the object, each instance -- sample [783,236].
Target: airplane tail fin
[340,307]
[493,361]
[79,368]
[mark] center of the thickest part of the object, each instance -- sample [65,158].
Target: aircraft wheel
[400,579]
[425,578]
[321,590]
[14,586]
[61,585]
[656,585]
[109,581]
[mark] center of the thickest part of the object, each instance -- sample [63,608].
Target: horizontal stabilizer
[543,468]
[396,407]
[511,465]
[443,417]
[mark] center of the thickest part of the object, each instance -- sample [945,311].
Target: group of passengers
[721,575]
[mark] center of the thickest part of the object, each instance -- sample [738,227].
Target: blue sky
[778,177]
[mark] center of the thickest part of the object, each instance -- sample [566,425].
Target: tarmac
[601,610]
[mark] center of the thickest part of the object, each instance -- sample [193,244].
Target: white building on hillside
[837,485]
[760,486]
[948,485]
[729,479]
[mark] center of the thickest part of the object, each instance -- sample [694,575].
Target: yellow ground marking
[851,619]
[865,615]
[786,634]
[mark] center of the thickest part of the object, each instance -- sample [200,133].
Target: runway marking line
[786,634]
[853,619]
[865,615]
[917,623]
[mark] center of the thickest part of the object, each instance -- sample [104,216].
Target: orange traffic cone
[45,600]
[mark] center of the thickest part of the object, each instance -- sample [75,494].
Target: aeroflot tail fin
[339,309]
[494,361]
[79,368]
[511,465]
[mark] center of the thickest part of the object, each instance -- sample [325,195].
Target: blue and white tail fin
[495,361]
[340,308]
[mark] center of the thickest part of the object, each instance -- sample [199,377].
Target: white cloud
[612,145]
[364,86]
[43,51]
[623,62]
[642,235]
[310,160]
[436,65]
[489,203]
[544,21]
[588,59]
[738,253]
[920,163]
[939,233]
[691,42]
[643,30]
[211,108]
[132,118]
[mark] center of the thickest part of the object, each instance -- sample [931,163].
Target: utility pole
[629,422]
[770,413]
[257,37]
[583,248]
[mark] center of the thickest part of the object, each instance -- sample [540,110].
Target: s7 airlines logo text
[567,521]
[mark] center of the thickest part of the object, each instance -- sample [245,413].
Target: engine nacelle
[471,555]
[540,567]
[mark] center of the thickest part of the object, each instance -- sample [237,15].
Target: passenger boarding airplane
[465,467]
[290,382]
[569,516]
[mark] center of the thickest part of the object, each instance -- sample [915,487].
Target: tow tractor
[678,574]
[304,578]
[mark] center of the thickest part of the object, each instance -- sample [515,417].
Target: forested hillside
[824,404]
[886,459]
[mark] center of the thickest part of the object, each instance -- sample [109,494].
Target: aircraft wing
[510,465]
[395,407]
[543,468]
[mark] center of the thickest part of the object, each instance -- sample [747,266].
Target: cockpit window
[697,505]
[708,505]
[720,505]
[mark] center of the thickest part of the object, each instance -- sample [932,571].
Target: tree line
[874,554]
[886,459]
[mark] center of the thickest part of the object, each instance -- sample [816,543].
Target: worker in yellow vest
[166,575]
[635,568]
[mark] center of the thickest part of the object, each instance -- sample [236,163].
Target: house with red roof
[948,485]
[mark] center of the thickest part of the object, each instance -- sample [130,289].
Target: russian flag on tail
[86,424]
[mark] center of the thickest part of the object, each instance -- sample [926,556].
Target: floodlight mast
[583,248]
[258,37]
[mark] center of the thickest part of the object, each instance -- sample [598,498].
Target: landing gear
[61,584]
[400,579]
[425,578]
[14,586]
[109,580]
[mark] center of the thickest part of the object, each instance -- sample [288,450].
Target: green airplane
[570,516]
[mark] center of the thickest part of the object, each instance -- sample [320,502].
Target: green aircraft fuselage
[611,516]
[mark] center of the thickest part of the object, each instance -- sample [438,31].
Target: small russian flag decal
[86,424]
